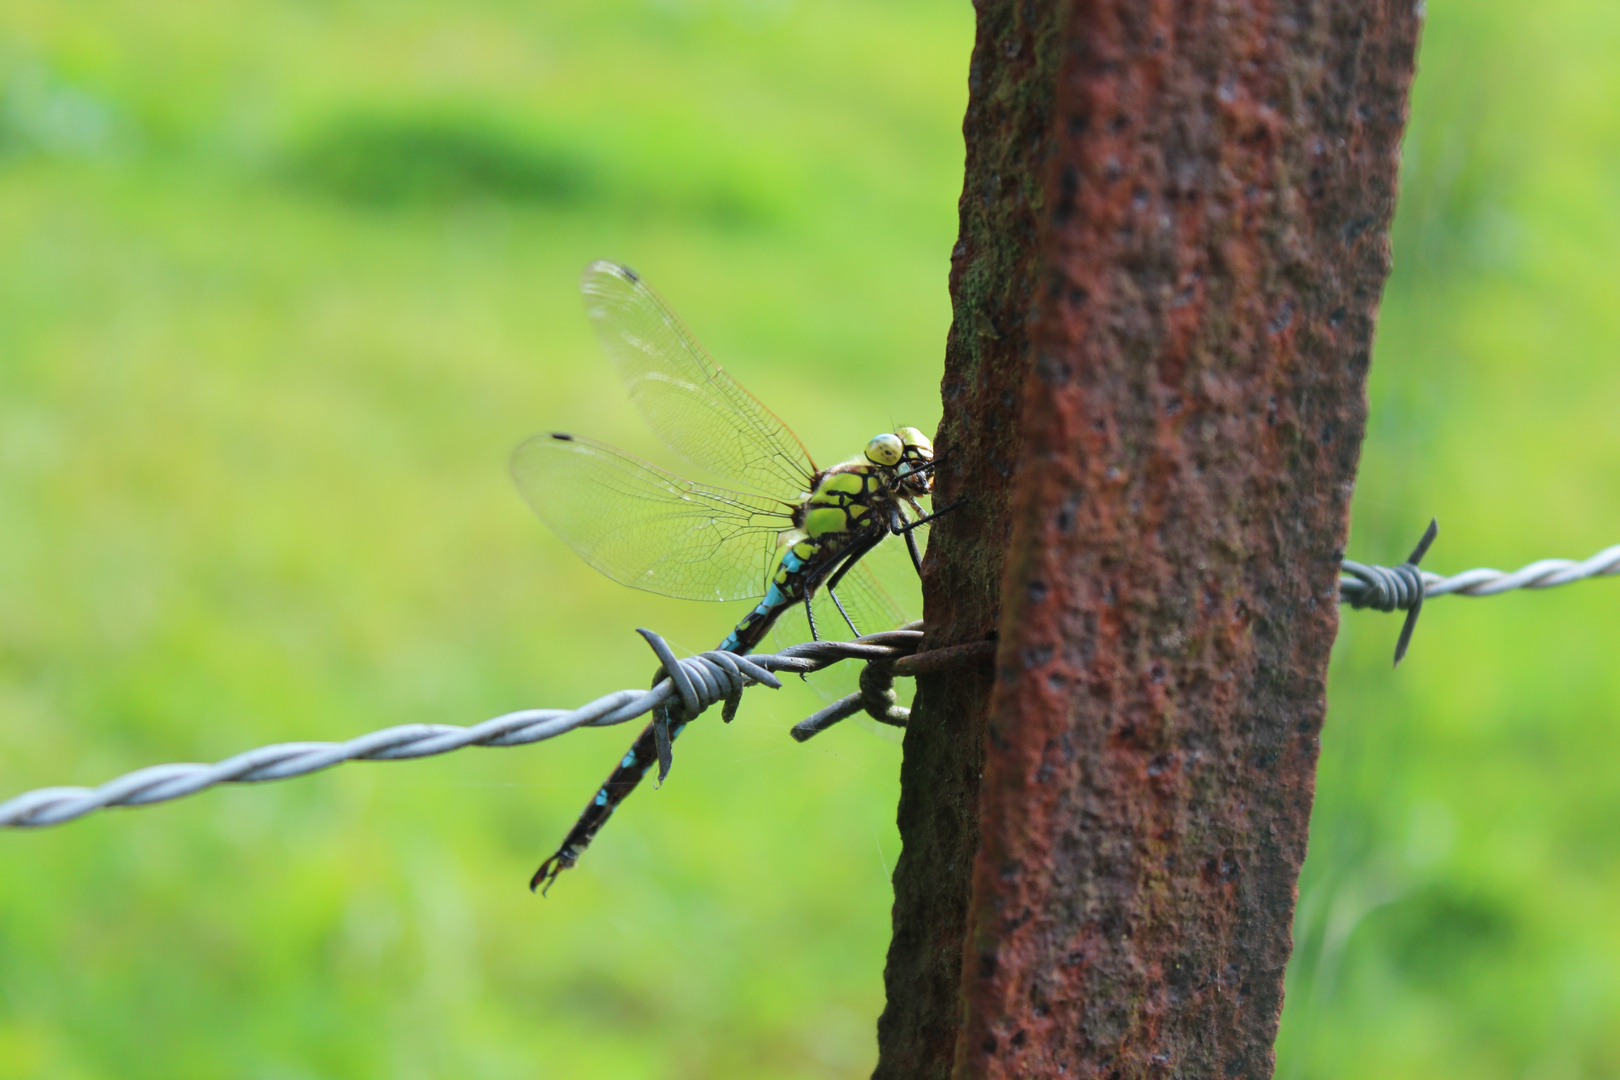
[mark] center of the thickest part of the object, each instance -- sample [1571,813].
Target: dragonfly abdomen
[787,588]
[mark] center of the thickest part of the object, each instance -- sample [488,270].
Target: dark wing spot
[631,274]
[560,437]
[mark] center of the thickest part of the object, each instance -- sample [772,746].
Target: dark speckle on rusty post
[1174,236]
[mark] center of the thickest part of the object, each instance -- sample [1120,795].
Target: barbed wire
[1405,587]
[1545,574]
[698,681]
[715,677]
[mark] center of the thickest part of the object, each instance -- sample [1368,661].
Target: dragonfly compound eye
[918,447]
[885,450]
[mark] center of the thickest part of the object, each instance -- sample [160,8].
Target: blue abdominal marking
[775,600]
[629,760]
[601,797]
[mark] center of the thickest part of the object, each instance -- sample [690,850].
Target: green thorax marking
[835,514]
[842,501]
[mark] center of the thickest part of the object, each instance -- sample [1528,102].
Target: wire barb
[1391,588]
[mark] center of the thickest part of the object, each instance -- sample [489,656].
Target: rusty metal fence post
[1174,237]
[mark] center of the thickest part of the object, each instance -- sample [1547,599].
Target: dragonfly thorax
[847,499]
[855,497]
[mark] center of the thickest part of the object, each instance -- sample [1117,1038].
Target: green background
[281,284]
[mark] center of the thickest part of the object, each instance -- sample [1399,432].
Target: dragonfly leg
[908,529]
[901,527]
[851,556]
[925,519]
[911,546]
[840,605]
[843,561]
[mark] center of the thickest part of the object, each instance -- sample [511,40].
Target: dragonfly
[787,534]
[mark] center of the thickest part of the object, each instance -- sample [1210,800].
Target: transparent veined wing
[697,409]
[648,528]
[887,571]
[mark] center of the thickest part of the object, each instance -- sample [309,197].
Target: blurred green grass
[285,282]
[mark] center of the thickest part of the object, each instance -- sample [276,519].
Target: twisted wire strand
[1373,586]
[708,679]
[1545,574]
[699,681]
[1405,587]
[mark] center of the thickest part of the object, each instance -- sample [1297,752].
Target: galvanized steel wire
[1545,574]
[704,680]
[1405,587]
[699,681]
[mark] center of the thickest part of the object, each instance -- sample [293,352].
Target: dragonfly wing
[886,574]
[648,528]
[697,409]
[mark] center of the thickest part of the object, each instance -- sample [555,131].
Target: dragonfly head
[909,453]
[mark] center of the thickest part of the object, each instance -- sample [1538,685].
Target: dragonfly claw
[564,859]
